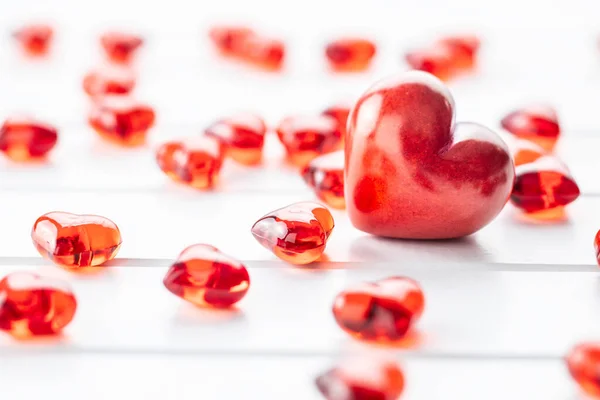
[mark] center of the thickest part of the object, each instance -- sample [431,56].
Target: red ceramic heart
[411,172]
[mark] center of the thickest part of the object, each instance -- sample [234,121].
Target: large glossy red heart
[411,172]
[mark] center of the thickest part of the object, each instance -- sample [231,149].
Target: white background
[503,306]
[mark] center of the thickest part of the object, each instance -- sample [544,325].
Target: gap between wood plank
[335,265]
[401,355]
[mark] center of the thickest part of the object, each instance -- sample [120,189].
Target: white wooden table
[503,306]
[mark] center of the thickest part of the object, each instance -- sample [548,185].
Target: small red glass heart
[411,172]
[205,276]
[381,311]
[32,305]
[74,241]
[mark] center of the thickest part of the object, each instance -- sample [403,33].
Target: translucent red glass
[542,185]
[325,175]
[242,135]
[537,123]
[597,246]
[120,47]
[411,172]
[229,39]
[464,50]
[109,80]
[382,311]
[73,241]
[340,112]
[297,233]
[306,137]
[25,139]
[204,276]
[447,57]
[583,362]
[193,161]
[244,44]
[350,54]
[121,120]
[35,40]
[264,52]
[362,379]
[523,151]
[31,305]
[436,60]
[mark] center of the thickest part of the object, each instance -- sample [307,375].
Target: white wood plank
[209,88]
[111,168]
[161,224]
[165,378]
[468,313]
